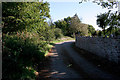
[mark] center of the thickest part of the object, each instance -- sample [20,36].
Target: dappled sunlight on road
[57,73]
[52,53]
[58,67]
[49,73]
[45,73]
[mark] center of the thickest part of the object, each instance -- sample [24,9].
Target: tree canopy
[18,16]
[91,30]
[104,3]
[77,27]
[64,25]
[102,21]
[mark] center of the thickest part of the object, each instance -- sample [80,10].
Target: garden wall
[105,47]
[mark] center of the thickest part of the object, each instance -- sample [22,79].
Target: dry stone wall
[105,47]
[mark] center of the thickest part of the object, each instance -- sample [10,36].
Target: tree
[91,30]
[104,3]
[75,24]
[84,29]
[109,4]
[64,26]
[102,21]
[18,16]
[22,53]
[100,33]
[113,21]
[58,33]
[77,27]
[108,19]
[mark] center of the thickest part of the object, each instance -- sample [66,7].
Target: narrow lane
[58,67]
[67,63]
[91,70]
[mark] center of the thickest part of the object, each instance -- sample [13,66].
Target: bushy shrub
[49,35]
[20,55]
[100,33]
[117,31]
[58,33]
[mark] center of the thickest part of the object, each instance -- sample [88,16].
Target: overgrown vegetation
[21,55]
[26,38]
[26,35]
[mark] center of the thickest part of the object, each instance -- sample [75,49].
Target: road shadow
[100,62]
[59,50]
[58,68]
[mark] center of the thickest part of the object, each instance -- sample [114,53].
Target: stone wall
[104,47]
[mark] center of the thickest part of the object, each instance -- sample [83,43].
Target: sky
[87,11]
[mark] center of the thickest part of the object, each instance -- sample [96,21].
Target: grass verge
[52,43]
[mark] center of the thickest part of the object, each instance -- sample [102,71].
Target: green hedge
[20,55]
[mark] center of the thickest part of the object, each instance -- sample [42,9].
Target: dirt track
[67,63]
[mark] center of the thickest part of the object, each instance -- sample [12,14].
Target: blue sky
[86,11]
